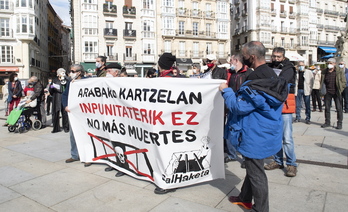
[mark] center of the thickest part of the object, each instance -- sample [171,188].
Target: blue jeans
[73,151]
[306,99]
[230,150]
[288,143]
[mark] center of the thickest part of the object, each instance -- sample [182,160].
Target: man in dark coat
[39,95]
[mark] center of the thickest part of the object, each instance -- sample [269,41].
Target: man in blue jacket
[255,124]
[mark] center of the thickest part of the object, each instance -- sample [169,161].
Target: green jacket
[340,79]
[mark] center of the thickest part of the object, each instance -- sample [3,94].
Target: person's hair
[78,68]
[102,58]
[124,71]
[34,78]
[150,72]
[255,48]
[12,76]
[238,56]
[279,50]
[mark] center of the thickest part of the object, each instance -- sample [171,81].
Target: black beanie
[166,61]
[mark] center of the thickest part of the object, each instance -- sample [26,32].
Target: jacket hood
[274,90]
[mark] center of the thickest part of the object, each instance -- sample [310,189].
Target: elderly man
[335,81]
[113,70]
[39,95]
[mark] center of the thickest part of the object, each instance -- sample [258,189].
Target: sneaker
[70,160]
[291,171]
[308,122]
[227,159]
[119,174]
[109,169]
[325,125]
[235,200]
[273,165]
[163,191]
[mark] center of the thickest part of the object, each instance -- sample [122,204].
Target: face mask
[247,62]
[50,81]
[341,66]
[98,65]
[210,65]
[16,78]
[301,68]
[233,67]
[73,75]
[109,75]
[330,66]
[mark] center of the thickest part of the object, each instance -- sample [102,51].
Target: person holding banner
[76,73]
[258,103]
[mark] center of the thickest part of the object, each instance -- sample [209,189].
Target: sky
[62,9]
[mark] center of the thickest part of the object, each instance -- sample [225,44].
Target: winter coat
[308,82]
[340,79]
[56,94]
[238,78]
[14,90]
[255,125]
[38,92]
[317,79]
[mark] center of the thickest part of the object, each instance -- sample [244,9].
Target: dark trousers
[48,104]
[345,97]
[255,185]
[316,99]
[338,103]
[55,120]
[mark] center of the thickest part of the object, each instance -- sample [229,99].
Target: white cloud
[62,8]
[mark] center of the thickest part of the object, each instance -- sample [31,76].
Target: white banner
[165,130]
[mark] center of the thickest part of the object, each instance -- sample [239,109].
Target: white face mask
[341,66]
[233,67]
[109,75]
[73,75]
[301,68]
[16,78]
[330,66]
[98,65]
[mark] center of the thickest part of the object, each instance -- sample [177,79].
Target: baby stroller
[19,118]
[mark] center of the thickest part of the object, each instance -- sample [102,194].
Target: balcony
[182,12]
[292,15]
[273,12]
[237,16]
[320,26]
[292,1]
[282,1]
[113,57]
[197,54]
[313,41]
[343,14]
[331,28]
[129,12]
[209,15]
[196,13]
[89,56]
[283,30]
[111,11]
[274,29]
[236,2]
[331,13]
[128,58]
[244,29]
[283,14]
[244,13]
[111,33]
[292,30]
[325,42]
[320,11]
[237,31]
[129,34]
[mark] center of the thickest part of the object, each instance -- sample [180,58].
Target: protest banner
[168,131]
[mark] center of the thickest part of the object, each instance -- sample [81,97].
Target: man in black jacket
[285,69]
[214,72]
[40,96]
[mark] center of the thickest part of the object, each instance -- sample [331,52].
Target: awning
[88,67]
[294,56]
[328,49]
[327,56]
[9,69]
[183,61]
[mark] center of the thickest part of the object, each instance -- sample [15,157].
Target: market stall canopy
[294,56]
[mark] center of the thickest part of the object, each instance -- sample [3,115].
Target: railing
[148,34]
[319,10]
[195,13]
[244,28]
[109,10]
[244,13]
[283,14]
[331,12]
[113,57]
[129,58]
[325,42]
[292,30]
[292,15]
[129,33]
[273,12]
[110,32]
[236,2]
[90,56]
[197,54]
[283,29]
[148,12]
[182,12]
[209,14]
[292,1]
[129,11]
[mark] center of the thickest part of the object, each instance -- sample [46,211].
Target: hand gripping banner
[167,131]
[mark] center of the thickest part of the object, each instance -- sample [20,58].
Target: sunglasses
[73,71]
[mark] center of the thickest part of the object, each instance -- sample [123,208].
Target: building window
[195,28]
[89,24]
[282,42]
[208,29]
[6,54]
[221,50]
[168,3]
[209,48]
[148,29]
[4,27]
[109,25]
[4,4]
[167,46]
[91,50]
[195,49]
[129,51]
[182,50]
[109,51]
[148,48]
[291,42]
[25,24]
[147,4]
[181,27]
[222,27]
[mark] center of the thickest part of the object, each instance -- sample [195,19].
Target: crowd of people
[260,100]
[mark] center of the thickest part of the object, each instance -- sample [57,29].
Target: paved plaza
[35,177]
